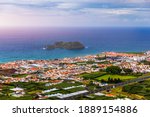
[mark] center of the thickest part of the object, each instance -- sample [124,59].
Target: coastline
[84,55]
[29,45]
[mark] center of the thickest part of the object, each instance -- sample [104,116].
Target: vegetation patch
[142,89]
[19,75]
[121,77]
[93,75]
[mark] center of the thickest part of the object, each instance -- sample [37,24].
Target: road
[109,87]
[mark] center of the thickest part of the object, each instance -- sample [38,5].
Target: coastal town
[69,77]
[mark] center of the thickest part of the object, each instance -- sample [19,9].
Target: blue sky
[74,13]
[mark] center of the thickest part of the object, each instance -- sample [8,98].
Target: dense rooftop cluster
[57,71]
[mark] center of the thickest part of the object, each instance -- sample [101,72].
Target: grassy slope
[142,89]
[105,77]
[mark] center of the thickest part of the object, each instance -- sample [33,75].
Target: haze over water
[28,44]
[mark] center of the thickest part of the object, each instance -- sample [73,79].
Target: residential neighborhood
[71,73]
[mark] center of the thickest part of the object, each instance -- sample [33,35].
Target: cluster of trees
[118,70]
[92,75]
[145,62]
[90,62]
[113,70]
[133,89]
[101,58]
[29,86]
[128,71]
[111,80]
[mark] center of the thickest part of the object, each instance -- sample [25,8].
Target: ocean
[28,43]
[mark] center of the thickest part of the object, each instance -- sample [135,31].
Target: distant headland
[66,45]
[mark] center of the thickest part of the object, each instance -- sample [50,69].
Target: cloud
[74,12]
[137,1]
[67,5]
[72,4]
[105,11]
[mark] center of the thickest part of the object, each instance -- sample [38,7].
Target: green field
[122,77]
[92,76]
[141,88]
[19,75]
[133,52]
[31,89]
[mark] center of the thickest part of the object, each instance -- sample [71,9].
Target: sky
[74,13]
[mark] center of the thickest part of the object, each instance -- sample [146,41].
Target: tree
[91,83]
[127,70]
[113,70]
[145,62]
[95,66]
[109,79]
[103,81]
[117,80]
